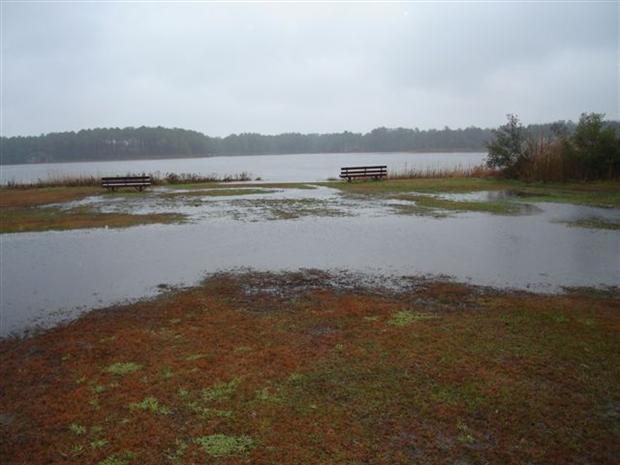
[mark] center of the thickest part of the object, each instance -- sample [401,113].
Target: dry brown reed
[479,171]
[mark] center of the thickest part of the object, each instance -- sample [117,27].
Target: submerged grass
[594,223]
[216,193]
[431,203]
[439,373]
[278,185]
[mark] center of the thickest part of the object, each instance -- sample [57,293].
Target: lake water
[51,276]
[274,168]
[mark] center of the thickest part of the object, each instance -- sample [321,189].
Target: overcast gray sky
[271,68]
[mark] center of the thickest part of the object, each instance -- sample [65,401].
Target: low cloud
[273,68]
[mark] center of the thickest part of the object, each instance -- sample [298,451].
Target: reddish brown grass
[323,376]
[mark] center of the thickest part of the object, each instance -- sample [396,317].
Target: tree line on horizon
[105,144]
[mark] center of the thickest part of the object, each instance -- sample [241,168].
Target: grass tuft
[220,390]
[118,459]
[150,404]
[77,429]
[406,317]
[220,445]
[123,368]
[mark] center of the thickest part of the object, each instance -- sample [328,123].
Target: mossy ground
[290,373]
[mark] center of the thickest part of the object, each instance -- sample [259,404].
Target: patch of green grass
[220,445]
[604,194]
[123,458]
[465,435]
[207,412]
[428,185]
[193,357]
[98,443]
[76,449]
[243,349]
[77,429]
[220,390]
[150,404]
[24,219]
[406,317]
[166,373]
[99,388]
[593,223]
[296,378]
[175,455]
[123,368]
[265,395]
[461,395]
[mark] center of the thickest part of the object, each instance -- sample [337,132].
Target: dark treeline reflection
[154,142]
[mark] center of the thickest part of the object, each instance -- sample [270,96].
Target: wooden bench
[352,172]
[137,182]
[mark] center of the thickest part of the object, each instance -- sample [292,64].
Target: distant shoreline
[188,157]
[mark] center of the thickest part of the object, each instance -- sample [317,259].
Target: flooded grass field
[405,321]
[485,232]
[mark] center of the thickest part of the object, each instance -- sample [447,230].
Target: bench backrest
[377,170]
[126,181]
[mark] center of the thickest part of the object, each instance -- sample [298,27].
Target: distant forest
[130,143]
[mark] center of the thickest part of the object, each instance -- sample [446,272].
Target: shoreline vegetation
[307,367]
[157,179]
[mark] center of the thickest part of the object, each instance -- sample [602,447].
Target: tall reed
[479,171]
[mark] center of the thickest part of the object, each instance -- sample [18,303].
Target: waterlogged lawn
[217,192]
[53,218]
[288,369]
[41,209]
[426,204]
[597,194]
